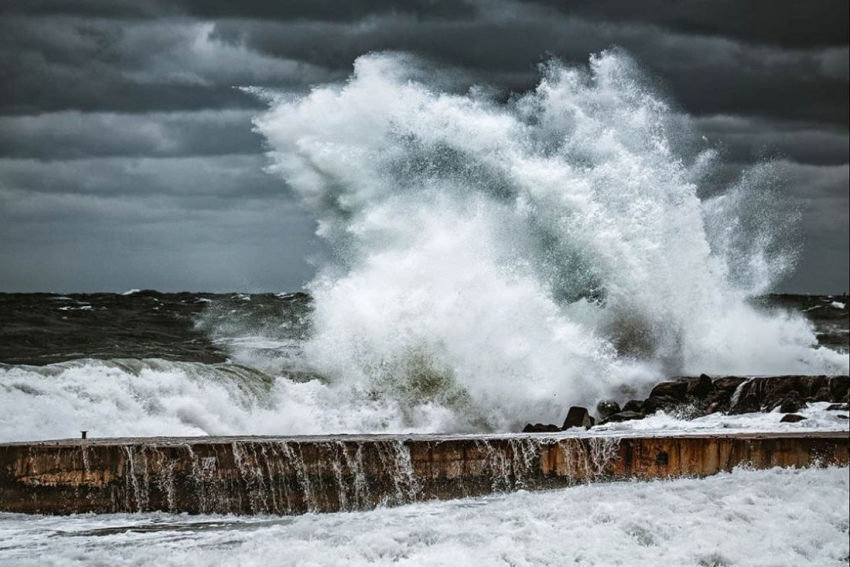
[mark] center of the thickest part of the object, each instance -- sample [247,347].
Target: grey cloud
[183,64]
[127,157]
[822,193]
[67,63]
[262,247]
[779,22]
[238,177]
[214,223]
[746,139]
[706,74]
[76,135]
[332,10]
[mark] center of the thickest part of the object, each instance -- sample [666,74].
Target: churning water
[778,517]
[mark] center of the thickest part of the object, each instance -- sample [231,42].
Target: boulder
[839,388]
[805,386]
[606,408]
[540,428]
[792,418]
[746,399]
[623,416]
[763,394]
[823,395]
[700,387]
[675,390]
[634,405]
[727,383]
[578,417]
[791,404]
[838,407]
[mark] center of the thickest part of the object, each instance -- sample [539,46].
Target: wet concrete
[292,475]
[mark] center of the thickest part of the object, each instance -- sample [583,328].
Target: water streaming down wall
[256,475]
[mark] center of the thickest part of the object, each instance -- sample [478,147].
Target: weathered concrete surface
[253,475]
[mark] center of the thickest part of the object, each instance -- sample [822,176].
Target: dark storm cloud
[122,135]
[331,10]
[747,139]
[821,193]
[707,74]
[74,134]
[220,177]
[54,64]
[780,22]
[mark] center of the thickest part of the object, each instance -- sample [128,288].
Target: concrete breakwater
[264,475]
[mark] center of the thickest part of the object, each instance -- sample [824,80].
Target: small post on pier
[83,434]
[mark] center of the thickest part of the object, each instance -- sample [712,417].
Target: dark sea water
[44,328]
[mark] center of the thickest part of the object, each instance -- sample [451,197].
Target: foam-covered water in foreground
[498,262]
[746,518]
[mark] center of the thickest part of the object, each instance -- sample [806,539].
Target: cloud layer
[127,157]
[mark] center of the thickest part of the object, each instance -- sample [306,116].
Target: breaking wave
[154,397]
[504,260]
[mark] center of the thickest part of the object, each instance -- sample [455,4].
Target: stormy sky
[127,158]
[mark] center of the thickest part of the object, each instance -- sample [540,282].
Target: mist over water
[492,263]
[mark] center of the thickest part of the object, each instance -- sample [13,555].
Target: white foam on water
[747,518]
[816,414]
[152,397]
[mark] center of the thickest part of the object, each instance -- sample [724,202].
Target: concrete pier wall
[265,475]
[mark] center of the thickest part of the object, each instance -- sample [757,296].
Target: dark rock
[747,402]
[720,396]
[823,395]
[728,383]
[655,403]
[578,417]
[700,387]
[541,428]
[634,405]
[791,404]
[838,407]
[759,394]
[747,398]
[607,408]
[792,418]
[676,390]
[623,416]
[839,387]
[808,386]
